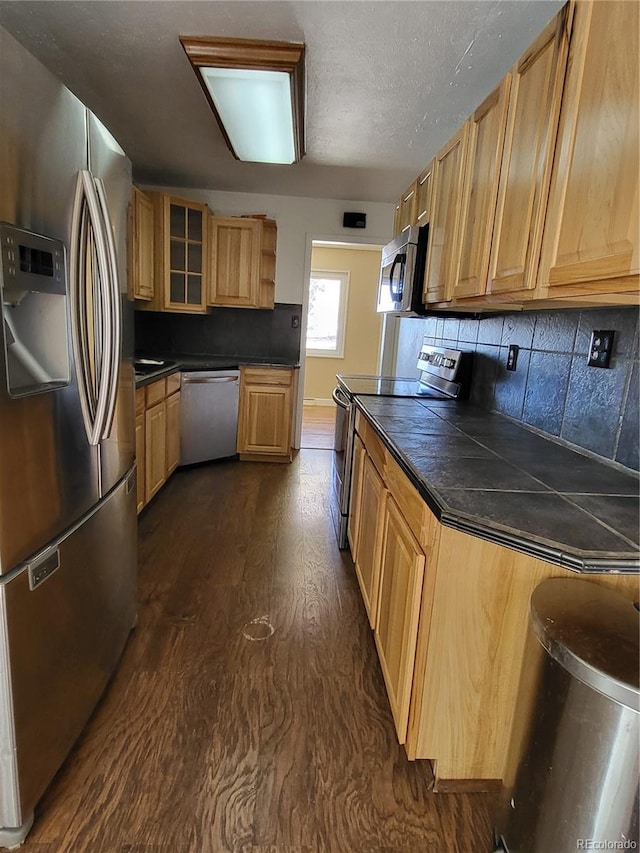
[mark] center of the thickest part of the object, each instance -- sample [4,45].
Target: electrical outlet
[600,348]
[295,321]
[512,358]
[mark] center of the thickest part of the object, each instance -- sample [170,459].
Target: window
[327,315]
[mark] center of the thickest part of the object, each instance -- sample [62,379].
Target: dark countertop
[184,363]
[483,474]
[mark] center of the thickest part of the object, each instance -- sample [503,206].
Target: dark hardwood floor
[208,741]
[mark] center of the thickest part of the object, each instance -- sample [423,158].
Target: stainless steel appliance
[402,272]
[208,415]
[445,374]
[572,780]
[67,443]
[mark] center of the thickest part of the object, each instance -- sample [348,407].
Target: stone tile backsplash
[552,388]
[243,332]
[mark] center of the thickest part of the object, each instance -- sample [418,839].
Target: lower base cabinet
[157,435]
[450,615]
[396,625]
[265,418]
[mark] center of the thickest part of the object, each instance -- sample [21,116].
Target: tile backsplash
[243,332]
[552,388]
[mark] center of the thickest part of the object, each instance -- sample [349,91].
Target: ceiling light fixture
[256,91]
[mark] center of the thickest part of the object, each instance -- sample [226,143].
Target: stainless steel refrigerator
[67,444]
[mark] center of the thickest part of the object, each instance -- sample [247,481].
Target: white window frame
[343,277]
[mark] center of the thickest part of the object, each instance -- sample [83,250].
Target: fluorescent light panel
[256,91]
[256,110]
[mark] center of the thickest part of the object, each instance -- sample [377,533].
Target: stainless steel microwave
[402,272]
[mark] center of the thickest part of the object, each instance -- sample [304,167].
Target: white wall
[299,221]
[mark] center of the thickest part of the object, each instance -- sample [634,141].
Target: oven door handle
[340,399]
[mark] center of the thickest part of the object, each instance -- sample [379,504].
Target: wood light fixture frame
[211,52]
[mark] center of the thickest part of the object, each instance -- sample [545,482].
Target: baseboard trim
[318,401]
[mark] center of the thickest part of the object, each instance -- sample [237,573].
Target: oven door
[342,459]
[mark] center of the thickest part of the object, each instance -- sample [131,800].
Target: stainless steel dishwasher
[208,415]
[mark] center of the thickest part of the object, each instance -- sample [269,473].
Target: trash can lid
[593,633]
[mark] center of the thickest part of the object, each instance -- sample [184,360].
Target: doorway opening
[344,332]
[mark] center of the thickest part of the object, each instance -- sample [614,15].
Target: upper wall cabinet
[446,193]
[242,254]
[424,185]
[591,235]
[534,106]
[535,198]
[405,210]
[184,259]
[140,246]
[180,250]
[234,261]
[484,152]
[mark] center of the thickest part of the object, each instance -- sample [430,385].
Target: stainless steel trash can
[572,780]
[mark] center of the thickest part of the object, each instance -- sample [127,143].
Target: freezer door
[112,170]
[64,621]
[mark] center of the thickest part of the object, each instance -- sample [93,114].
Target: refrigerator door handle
[112,299]
[92,315]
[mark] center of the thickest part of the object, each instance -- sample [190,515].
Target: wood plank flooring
[318,423]
[208,742]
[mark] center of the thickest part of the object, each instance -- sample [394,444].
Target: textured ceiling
[387,82]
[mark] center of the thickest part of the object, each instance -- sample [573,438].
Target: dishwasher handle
[209,381]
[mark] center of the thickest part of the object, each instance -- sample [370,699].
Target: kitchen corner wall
[552,389]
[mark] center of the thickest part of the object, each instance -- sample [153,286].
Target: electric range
[445,374]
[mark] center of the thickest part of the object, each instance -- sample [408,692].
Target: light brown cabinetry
[155,439]
[234,261]
[450,628]
[242,253]
[268,245]
[405,210]
[423,196]
[591,241]
[157,435]
[446,194]
[396,625]
[141,280]
[370,495]
[173,433]
[485,131]
[140,448]
[265,418]
[180,255]
[532,121]
[535,199]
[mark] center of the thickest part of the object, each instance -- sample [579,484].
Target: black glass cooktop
[386,386]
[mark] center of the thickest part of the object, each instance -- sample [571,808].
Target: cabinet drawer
[140,400]
[413,508]
[173,383]
[156,391]
[374,446]
[267,375]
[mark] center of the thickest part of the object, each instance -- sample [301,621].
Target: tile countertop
[204,362]
[483,474]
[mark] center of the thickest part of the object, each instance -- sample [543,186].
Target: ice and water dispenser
[34,311]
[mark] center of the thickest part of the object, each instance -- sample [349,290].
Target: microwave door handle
[396,292]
